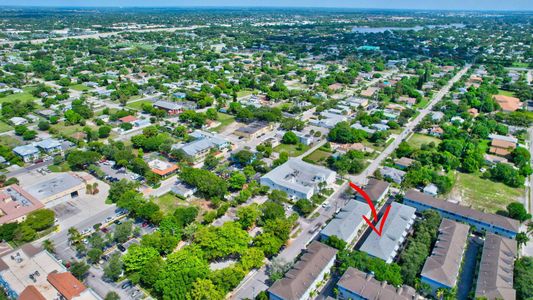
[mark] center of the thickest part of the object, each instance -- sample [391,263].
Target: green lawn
[80,87]
[169,202]
[10,141]
[484,194]
[244,93]
[318,157]
[63,167]
[224,120]
[138,104]
[4,127]
[417,140]
[24,96]
[422,103]
[506,93]
[291,149]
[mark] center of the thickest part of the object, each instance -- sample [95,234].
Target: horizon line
[265,7]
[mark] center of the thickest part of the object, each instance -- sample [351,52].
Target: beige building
[253,130]
[59,186]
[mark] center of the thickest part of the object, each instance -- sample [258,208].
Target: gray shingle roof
[349,218]
[302,275]
[375,188]
[26,150]
[400,219]
[495,279]
[445,261]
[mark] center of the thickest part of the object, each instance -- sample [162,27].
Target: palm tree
[74,235]
[48,245]
[89,189]
[521,239]
[95,188]
[440,293]
[530,227]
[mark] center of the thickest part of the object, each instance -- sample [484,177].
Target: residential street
[255,282]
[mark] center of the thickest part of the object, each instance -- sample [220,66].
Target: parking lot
[115,174]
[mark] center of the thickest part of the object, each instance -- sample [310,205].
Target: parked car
[121,248]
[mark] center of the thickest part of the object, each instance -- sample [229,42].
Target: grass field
[80,87]
[10,141]
[169,202]
[224,120]
[484,194]
[244,93]
[506,93]
[63,167]
[24,96]
[138,104]
[318,157]
[417,140]
[291,149]
[4,127]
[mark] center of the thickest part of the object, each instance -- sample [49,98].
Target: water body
[415,28]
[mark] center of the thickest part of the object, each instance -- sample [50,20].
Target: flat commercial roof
[59,183]
[16,202]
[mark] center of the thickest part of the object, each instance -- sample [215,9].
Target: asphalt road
[257,280]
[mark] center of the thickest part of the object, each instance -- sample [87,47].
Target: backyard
[484,194]
[292,150]
[417,140]
[318,157]
[4,127]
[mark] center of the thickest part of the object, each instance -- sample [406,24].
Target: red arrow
[373,208]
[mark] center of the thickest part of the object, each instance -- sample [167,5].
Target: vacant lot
[138,104]
[24,96]
[484,194]
[4,127]
[417,140]
[224,120]
[80,87]
[318,157]
[291,149]
[169,202]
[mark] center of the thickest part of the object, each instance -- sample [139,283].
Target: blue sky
[406,4]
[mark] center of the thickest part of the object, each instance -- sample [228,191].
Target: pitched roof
[405,161]
[495,220]
[31,293]
[375,188]
[508,103]
[66,284]
[128,119]
[347,220]
[445,261]
[495,279]
[503,144]
[366,286]
[400,218]
[302,275]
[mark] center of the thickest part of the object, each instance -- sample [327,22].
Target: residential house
[182,189]
[204,142]
[501,225]
[16,121]
[431,189]
[508,103]
[305,275]
[28,153]
[306,139]
[49,145]
[404,163]
[502,147]
[393,174]
[298,178]
[375,189]
[172,108]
